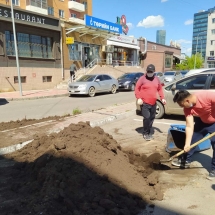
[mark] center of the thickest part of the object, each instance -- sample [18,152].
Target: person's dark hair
[181,95]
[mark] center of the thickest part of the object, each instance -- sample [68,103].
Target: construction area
[71,166]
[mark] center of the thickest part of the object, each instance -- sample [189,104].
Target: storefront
[210,62]
[124,52]
[87,41]
[38,44]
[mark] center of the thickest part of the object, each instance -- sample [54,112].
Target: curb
[37,97]
[106,120]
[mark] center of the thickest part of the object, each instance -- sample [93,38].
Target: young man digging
[200,105]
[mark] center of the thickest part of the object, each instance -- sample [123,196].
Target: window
[100,78]
[168,61]
[75,51]
[61,13]
[73,15]
[51,11]
[212,83]
[213,31]
[47,78]
[212,42]
[29,45]
[16,80]
[193,83]
[211,53]
[15,2]
[85,5]
[213,20]
[106,77]
[211,64]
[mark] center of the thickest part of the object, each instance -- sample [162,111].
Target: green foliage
[188,63]
[76,111]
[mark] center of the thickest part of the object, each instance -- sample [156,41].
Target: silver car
[160,76]
[170,76]
[92,84]
[200,81]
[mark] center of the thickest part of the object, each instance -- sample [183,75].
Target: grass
[76,111]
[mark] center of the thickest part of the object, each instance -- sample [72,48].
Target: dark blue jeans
[148,113]
[201,129]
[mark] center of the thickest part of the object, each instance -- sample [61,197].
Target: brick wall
[34,78]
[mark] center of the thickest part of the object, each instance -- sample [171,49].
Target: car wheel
[132,87]
[159,110]
[91,92]
[113,89]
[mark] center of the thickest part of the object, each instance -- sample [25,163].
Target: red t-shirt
[147,90]
[204,107]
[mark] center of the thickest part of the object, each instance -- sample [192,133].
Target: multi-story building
[200,25]
[161,37]
[210,46]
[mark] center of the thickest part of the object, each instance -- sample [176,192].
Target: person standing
[198,107]
[85,59]
[146,91]
[73,69]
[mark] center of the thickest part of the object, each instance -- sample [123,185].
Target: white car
[196,71]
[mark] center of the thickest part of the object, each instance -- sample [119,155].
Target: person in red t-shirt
[146,91]
[199,108]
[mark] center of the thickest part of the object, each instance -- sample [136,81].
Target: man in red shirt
[199,108]
[146,91]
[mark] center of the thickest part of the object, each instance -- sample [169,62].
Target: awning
[178,56]
[122,44]
[83,30]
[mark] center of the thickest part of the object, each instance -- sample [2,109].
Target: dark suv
[128,80]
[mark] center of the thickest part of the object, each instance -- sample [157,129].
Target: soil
[24,122]
[80,170]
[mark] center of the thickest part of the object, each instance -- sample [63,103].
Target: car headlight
[127,82]
[82,86]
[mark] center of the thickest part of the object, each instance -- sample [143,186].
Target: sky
[145,17]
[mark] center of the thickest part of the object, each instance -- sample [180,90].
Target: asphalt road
[40,108]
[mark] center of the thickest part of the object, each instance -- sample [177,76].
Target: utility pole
[15,46]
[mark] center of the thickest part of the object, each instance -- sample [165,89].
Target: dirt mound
[81,170]
[25,122]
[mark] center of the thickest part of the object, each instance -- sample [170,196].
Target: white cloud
[188,22]
[187,51]
[129,24]
[163,1]
[181,41]
[151,22]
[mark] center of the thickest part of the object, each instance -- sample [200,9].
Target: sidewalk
[33,94]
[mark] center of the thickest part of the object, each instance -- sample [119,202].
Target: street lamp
[197,46]
[15,46]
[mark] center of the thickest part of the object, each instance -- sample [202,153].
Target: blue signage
[102,24]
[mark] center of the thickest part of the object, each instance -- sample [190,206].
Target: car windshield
[128,75]
[183,72]
[169,73]
[86,78]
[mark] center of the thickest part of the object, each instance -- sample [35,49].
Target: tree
[188,63]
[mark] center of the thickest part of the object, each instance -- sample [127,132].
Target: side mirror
[97,80]
[173,88]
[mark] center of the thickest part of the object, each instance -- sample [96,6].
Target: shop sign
[122,21]
[102,24]
[69,40]
[211,58]
[27,17]
[124,39]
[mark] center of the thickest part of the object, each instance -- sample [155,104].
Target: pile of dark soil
[25,122]
[80,170]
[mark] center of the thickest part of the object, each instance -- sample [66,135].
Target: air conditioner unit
[109,48]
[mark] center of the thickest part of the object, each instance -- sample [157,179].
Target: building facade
[161,37]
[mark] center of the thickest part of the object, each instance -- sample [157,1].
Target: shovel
[192,146]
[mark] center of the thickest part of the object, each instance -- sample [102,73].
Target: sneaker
[151,136]
[211,175]
[181,163]
[147,137]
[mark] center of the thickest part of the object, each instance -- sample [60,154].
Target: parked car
[170,76]
[184,72]
[195,71]
[128,80]
[160,75]
[92,84]
[200,81]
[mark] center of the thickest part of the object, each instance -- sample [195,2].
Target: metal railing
[37,3]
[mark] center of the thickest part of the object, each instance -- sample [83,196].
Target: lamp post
[197,46]
[15,46]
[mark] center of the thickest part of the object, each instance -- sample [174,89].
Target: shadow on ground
[3,101]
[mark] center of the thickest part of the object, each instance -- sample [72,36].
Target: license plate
[72,91]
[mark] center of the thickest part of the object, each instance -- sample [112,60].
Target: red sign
[122,21]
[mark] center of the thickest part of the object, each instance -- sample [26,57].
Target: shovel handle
[193,145]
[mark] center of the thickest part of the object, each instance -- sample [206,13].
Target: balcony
[77,20]
[38,6]
[76,6]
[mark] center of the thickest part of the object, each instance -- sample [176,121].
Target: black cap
[150,67]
